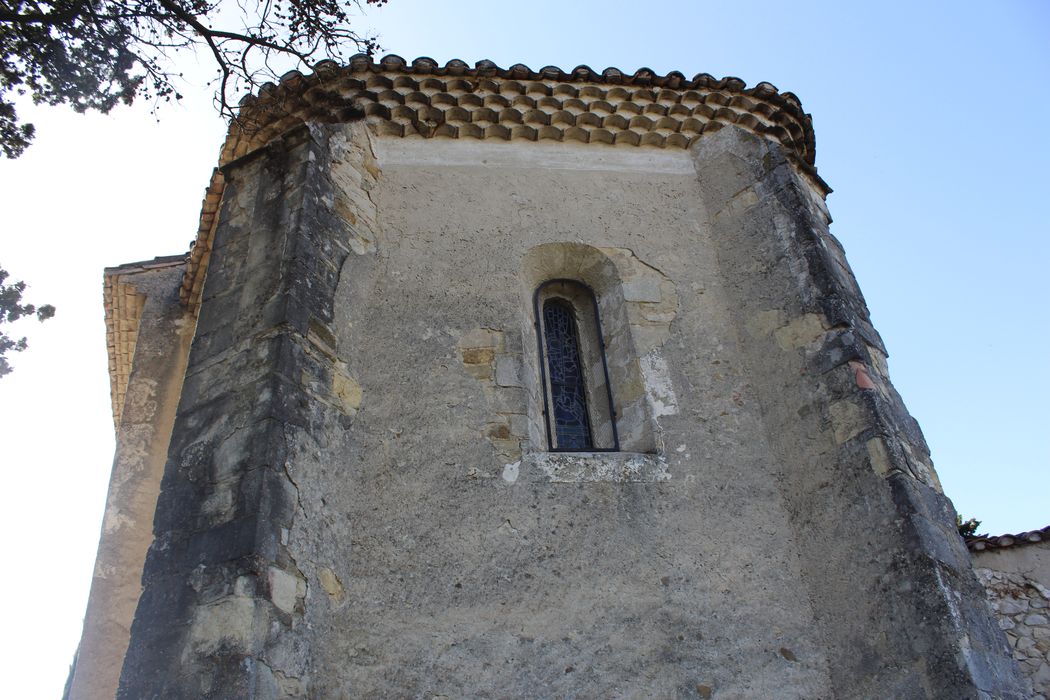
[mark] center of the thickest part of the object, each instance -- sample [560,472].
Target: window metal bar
[547,417]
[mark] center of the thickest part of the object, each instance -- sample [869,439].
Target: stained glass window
[568,397]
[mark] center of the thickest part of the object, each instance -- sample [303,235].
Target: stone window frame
[628,292]
[577,296]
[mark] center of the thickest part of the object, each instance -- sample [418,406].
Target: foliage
[967,528]
[12,309]
[95,54]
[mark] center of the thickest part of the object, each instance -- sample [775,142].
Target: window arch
[578,409]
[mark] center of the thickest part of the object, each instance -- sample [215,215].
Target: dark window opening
[568,399]
[578,411]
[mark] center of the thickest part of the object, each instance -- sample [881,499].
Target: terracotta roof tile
[979,543]
[422,98]
[124,303]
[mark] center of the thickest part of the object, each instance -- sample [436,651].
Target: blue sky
[931,124]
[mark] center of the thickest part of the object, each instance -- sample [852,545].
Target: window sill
[613,467]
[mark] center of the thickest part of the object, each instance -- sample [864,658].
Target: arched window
[577,396]
[568,398]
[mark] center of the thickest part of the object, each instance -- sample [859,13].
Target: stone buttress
[891,580]
[220,584]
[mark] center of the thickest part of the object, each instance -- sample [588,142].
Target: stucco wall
[1018,583]
[466,566]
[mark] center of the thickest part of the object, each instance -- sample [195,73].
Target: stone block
[800,332]
[347,392]
[879,457]
[642,288]
[477,356]
[519,424]
[225,625]
[331,584]
[1011,606]
[284,589]
[481,338]
[506,399]
[848,419]
[508,370]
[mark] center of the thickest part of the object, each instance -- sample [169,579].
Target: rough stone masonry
[1015,571]
[361,494]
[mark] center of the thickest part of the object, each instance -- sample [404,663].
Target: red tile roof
[979,543]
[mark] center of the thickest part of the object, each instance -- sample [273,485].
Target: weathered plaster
[146,412]
[358,500]
[617,467]
[463,547]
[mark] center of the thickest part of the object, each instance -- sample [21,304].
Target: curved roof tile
[980,543]
[424,98]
